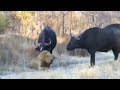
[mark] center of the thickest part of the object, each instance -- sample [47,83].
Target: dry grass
[70,67]
[71,71]
[14,51]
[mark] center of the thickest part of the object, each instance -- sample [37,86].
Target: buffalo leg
[115,52]
[92,59]
[51,52]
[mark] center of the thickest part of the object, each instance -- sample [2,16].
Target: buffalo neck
[81,44]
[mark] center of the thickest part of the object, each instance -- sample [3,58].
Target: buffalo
[47,40]
[97,39]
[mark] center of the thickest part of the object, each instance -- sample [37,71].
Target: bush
[3,23]
[14,52]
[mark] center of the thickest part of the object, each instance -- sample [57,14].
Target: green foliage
[28,21]
[3,23]
[25,16]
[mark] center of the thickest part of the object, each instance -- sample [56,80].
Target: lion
[44,60]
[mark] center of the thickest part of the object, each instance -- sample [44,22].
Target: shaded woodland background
[28,24]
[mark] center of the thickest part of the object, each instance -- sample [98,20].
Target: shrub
[3,23]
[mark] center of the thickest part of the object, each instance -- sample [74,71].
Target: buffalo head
[41,46]
[73,43]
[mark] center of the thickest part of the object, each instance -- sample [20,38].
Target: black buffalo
[98,39]
[47,40]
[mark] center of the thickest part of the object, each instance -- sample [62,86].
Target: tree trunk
[70,22]
[63,24]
